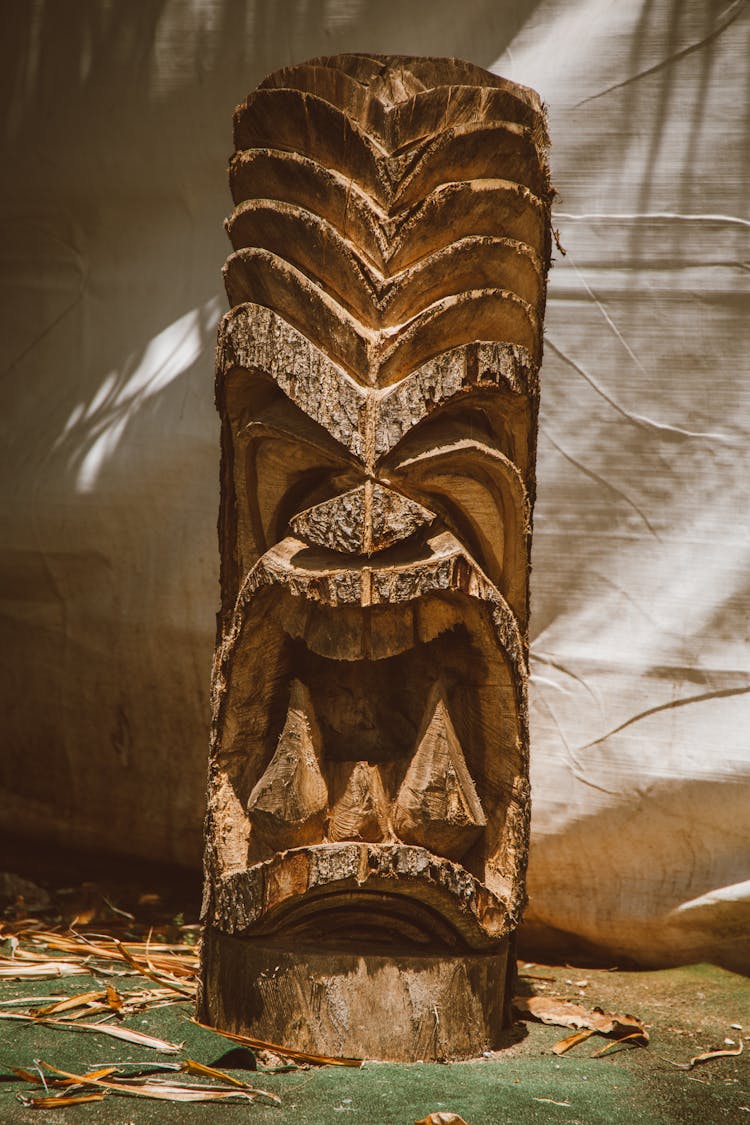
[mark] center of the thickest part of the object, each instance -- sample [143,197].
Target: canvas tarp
[118,125]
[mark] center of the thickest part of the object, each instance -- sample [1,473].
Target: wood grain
[377,381]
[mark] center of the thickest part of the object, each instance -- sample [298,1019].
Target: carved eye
[458,464]
[283,463]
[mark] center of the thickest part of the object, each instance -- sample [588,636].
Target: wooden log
[377,381]
[395,1005]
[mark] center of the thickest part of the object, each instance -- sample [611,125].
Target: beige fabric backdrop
[113,193]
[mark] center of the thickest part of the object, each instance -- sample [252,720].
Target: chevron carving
[347,187]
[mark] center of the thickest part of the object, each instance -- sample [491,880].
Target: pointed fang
[437,805]
[288,805]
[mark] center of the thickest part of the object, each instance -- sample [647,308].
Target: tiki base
[344,1004]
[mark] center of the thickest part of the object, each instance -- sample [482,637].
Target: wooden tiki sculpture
[377,383]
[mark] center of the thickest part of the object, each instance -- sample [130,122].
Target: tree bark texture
[377,381]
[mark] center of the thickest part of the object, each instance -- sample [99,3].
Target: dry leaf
[118,910]
[636,1039]
[173,960]
[285,1052]
[440,1117]
[84,1013]
[151,972]
[26,1075]
[84,917]
[190,1066]
[11,970]
[551,1101]
[137,1000]
[21,954]
[167,1091]
[114,999]
[18,1000]
[126,1033]
[58,1102]
[564,1045]
[70,1002]
[114,1030]
[564,1013]
[36,1079]
[706,1056]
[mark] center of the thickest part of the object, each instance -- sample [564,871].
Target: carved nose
[364,520]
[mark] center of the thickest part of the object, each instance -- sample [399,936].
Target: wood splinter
[377,382]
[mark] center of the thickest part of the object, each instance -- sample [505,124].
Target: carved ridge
[287,356]
[459,208]
[377,357]
[399,143]
[243,898]
[302,122]
[382,297]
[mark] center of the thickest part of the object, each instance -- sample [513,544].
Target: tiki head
[377,385]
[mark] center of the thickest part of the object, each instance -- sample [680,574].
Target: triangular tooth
[288,805]
[438,806]
[364,520]
[360,813]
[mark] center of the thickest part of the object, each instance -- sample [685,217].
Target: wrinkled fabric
[117,128]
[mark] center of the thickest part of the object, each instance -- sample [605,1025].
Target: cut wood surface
[377,383]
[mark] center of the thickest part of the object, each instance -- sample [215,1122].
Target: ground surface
[688,1010]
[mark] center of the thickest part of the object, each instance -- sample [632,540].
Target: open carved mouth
[370,732]
[370,772]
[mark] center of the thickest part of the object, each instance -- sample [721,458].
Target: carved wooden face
[369,771]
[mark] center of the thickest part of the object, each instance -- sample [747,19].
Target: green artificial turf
[688,1010]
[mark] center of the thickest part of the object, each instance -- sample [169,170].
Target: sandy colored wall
[117,130]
